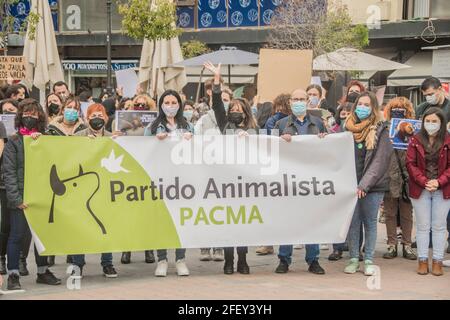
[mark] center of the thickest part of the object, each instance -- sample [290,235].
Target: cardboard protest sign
[283,71]
[12,67]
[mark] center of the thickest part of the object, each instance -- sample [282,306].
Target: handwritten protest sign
[12,67]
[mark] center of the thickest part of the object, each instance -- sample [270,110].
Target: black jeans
[20,230]
[229,252]
[5,227]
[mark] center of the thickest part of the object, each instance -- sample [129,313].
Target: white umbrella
[347,59]
[43,64]
[161,71]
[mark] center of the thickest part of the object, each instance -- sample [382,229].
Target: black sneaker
[149,256]
[283,267]
[335,256]
[109,272]
[13,282]
[242,267]
[23,271]
[48,278]
[228,267]
[126,258]
[3,269]
[315,268]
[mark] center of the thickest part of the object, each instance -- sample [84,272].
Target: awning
[421,68]
[239,74]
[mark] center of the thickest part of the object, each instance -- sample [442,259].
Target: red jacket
[415,163]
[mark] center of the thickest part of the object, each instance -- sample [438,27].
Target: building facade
[399,31]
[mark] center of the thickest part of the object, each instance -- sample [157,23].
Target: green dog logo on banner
[72,187]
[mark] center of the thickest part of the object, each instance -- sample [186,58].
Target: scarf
[365,131]
[27,132]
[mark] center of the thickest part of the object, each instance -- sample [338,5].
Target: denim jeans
[312,253]
[19,231]
[179,254]
[106,260]
[431,211]
[5,228]
[366,211]
[340,246]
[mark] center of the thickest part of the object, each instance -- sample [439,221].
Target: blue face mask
[188,114]
[363,112]
[254,110]
[71,115]
[299,108]
[226,105]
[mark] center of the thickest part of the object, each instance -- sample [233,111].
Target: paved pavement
[207,281]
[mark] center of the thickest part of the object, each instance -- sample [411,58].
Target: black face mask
[236,117]
[352,97]
[398,113]
[96,123]
[19,100]
[30,122]
[53,109]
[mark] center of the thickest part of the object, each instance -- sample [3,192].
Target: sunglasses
[143,105]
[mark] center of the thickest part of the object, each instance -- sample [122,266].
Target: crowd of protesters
[407,187]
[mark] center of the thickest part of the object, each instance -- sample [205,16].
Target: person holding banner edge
[299,123]
[170,121]
[373,151]
[236,119]
[97,118]
[30,121]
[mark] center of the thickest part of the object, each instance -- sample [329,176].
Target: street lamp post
[109,88]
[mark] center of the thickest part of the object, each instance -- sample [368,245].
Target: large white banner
[136,193]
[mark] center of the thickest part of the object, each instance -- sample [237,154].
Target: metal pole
[109,88]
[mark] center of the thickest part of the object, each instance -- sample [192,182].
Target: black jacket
[221,115]
[287,125]
[13,170]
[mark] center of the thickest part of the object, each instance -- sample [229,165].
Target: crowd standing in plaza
[403,183]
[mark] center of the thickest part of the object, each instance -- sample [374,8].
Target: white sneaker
[182,269]
[298,247]
[324,247]
[161,269]
[446,263]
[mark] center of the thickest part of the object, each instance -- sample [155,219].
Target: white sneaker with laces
[324,247]
[182,269]
[298,247]
[161,269]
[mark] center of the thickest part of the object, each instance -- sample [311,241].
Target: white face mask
[432,128]
[433,99]
[170,110]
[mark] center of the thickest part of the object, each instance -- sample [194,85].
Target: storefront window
[440,9]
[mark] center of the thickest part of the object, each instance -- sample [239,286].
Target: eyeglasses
[143,105]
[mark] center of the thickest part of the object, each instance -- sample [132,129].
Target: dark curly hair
[31,105]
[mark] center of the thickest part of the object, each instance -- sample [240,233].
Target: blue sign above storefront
[92,66]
